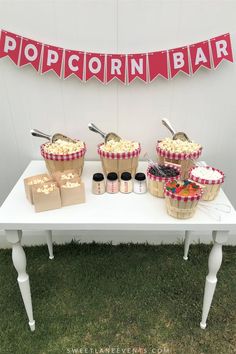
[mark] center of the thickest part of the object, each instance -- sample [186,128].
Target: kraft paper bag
[59,176]
[43,202]
[29,186]
[72,195]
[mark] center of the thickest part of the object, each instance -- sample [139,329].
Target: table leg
[186,244]
[214,263]
[49,243]
[19,261]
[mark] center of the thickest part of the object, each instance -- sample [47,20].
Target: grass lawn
[133,299]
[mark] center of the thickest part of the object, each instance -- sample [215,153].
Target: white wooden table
[108,212]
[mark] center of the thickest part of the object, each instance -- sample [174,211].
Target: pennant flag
[116,67]
[95,66]
[158,65]
[137,67]
[74,64]
[200,55]
[178,58]
[10,44]
[221,49]
[52,59]
[30,53]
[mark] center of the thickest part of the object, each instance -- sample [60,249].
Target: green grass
[136,298]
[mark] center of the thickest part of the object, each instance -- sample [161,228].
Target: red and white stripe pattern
[65,157]
[178,156]
[162,179]
[118,155]
[207,181]
[185,199]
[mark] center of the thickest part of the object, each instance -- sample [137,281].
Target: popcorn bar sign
[108,67]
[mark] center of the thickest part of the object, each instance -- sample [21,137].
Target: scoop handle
[167,124]
[39,134]
[95,129]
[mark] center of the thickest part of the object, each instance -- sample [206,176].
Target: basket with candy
[182,198]
[208,177]
[157,177]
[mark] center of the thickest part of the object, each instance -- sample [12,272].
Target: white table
[108,212]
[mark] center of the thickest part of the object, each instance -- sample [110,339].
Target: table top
[108,211]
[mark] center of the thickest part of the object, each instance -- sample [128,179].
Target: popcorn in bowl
[119,146]
[179,146]
[62,147]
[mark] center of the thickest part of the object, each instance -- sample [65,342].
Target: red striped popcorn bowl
[181,207]
[119,162]
[185,160]
[62,162]
[156,183]
[211,187]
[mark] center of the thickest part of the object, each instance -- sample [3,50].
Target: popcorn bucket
[181,207]
[210,187]
[119,162]
[185,160]
[55,162]
[156,183]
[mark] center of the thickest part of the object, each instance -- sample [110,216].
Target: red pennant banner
[10,44]
[221,49]
[179,61]
[95,66]
[116,67]
[30,53]
[137,67]
[123,67]
[200,55]
[74,64]
[52,59]
[158,65]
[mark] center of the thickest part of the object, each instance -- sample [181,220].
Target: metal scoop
[51,138]
[176,135]
[107,137]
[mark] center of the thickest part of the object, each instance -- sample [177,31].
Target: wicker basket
[186,161]
[119,162]
[156,184]
[181,207]
[73,161]
[211,188]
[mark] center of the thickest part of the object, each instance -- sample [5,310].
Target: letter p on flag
[52,59]
[10,44]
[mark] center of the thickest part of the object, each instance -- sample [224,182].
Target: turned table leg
[186,244]
[49,243]
[214,263]
[19,262]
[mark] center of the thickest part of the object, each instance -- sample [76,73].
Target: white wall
[204,105]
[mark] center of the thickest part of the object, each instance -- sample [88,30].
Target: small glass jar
[98,186]
[112,183]
[126,184]
[140,183]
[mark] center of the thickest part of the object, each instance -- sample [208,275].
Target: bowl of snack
[119,156]
[179,152]
[64,155]
[182,198]
[208,177]
[158,177]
